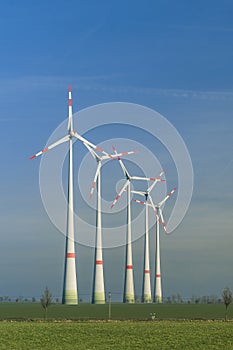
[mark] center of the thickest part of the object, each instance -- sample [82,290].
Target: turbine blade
[166,198]
[162,220]
[93,153]
[143,203]
[153,206]
[121,164]
[116,155]
[81,138]
[141,178]
[62,140]
[141,193]
[120,193]
[140,202]
[95,179]
[122,154]
[70,118]
[157,179]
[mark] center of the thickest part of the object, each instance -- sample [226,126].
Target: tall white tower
[98,296]
[129,280]
[70,293]
[158,285]
[146,287]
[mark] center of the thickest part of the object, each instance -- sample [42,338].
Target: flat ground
[117,335]
[119,311]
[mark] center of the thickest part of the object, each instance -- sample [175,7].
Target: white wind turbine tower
[98,295]
[129,281]
[146,285]
[158,296]
[70,292]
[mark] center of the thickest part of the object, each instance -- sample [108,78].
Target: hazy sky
[172,56]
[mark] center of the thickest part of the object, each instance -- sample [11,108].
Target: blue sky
[174,57]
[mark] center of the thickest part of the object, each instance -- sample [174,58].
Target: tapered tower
[70,293]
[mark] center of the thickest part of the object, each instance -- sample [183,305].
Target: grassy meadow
[86,326]
[119,311]
[117,335]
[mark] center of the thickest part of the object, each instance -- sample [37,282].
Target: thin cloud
[106,83]
[180,93]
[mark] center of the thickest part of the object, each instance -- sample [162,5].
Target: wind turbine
[159,219]
[146,285]
[70,292]
[98,295]
[129,281]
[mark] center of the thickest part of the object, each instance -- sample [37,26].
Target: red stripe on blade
[147,271]
[157,275]
[70,103]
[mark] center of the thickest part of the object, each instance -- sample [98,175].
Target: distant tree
[213,299]
[173,298]
[179,298]
[227,299]
[46,300]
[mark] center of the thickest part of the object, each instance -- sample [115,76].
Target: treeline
[205,299]
[172,299]
[21,299]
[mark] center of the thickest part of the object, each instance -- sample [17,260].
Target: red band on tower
[157,275]
[70,102]
[147,271]
[99,262]
[129,267]
[70,255]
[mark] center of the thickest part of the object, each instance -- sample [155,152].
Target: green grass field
[126,335]
[118,311]
[176,326]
